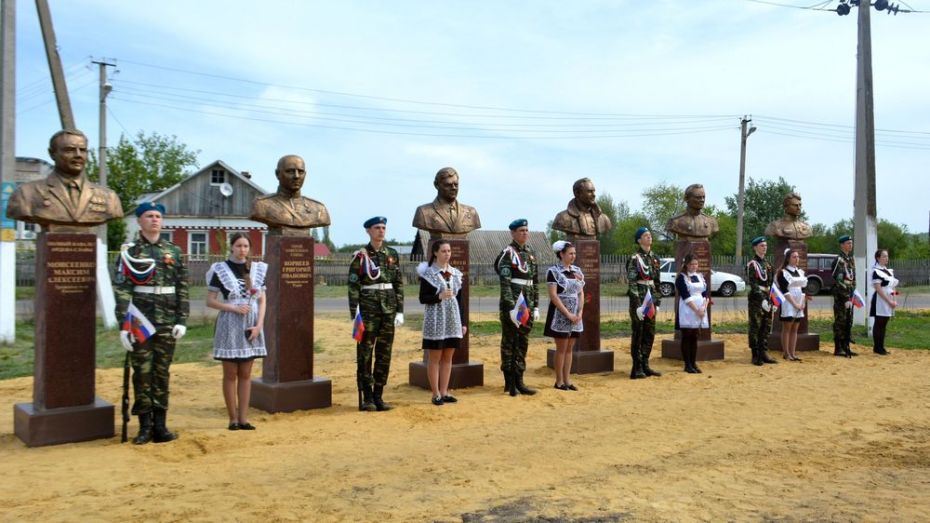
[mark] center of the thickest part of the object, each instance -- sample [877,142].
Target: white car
[722,283]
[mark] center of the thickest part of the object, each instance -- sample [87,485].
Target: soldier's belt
[764,288]
[378,287]
[520,281]
[140,289]
[650,283]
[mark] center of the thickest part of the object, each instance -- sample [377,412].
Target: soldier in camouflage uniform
[760,275]
[642,272]
[151,274]
[844,283]
[516,266]
[376,287]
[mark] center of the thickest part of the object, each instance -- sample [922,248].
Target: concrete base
[707,350]
[464,375]
[288,396]
[38,427]
[806,342]
[586,361]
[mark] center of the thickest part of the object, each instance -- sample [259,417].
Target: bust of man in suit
[286,211]
[790,225]
[65,201]
[693,224]
[445,217]
[582,219]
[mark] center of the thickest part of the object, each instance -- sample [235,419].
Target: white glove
[126,338]
[178,332]
[766,306]
[657,310]
[848,305]
[535,313]
[398,319]
[640,313]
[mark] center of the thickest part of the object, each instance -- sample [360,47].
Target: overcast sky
[522,98]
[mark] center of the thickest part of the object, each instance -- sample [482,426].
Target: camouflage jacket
[759,275]
[642,273]
[384,270]
[844,275]
[161,309]
[521,266]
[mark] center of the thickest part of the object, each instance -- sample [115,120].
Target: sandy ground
[827,439]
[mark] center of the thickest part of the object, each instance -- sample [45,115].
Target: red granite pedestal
[64,407]
[465,373]
[287,383]
[807,341]
[708,348]
[587,356]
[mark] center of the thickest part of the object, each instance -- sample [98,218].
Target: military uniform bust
[790,225]
[65,200]
[445,217]
[286,211]
[693,224]
[583,218]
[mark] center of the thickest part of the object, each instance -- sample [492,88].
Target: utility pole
[745,131]
[104,288]
[7,171]
[54,65]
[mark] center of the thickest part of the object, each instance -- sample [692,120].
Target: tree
[146,164]
[661,202]
[612,241]
[763,205]
[724,242]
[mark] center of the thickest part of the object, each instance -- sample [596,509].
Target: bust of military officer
[446,217]
[790,225]
[693,224]
[65,200]
[286,211]
[582,219]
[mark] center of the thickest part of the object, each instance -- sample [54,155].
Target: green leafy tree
[617,211]
[724,242]
[763,205]
[147,163]
[661,202]
[624,231]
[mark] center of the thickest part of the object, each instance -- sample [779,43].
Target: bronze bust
[446,217]
[286,211]
[790,225]
[65,200]
[583,219]
[693,224]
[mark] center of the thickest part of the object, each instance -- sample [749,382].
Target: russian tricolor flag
[137,324]
[521,312]
[358,326]
[857,300]
[649,306]
[776,296]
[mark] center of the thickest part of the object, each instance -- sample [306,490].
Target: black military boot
[380,405]
[764,356]
[366,404]
[508,381]
[648,371]
[636,373]
[756,357]
[145,429]
[849,352]
[520,386]
[162,434]
[838,348]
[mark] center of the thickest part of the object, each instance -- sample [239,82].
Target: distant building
[29,170]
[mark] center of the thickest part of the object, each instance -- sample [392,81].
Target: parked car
[722,283]
[819,274]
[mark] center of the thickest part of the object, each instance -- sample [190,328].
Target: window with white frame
[165,235]
[197,246]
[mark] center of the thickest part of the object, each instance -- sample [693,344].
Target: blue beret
[374,221]
[149,206]
[757,240]
[519,222]
[640,232]
[844,238]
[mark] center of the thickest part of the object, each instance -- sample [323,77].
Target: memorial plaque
[707,349]
[806,341]
[288,381]
[587,356]
[64,407]
[465,373]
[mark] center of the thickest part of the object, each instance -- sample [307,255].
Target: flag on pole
[776,296]
[137,324]
[520,315]
[358,326]
[649,306]
[857,300]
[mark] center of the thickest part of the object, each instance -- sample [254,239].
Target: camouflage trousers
[644,334]
[150,371]
[760,326]
[375,348]
[842,319]
[514,344]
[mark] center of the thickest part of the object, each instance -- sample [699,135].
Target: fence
[333,270]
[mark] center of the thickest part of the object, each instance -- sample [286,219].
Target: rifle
[125,404]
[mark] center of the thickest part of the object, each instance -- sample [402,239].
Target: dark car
[819,273]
